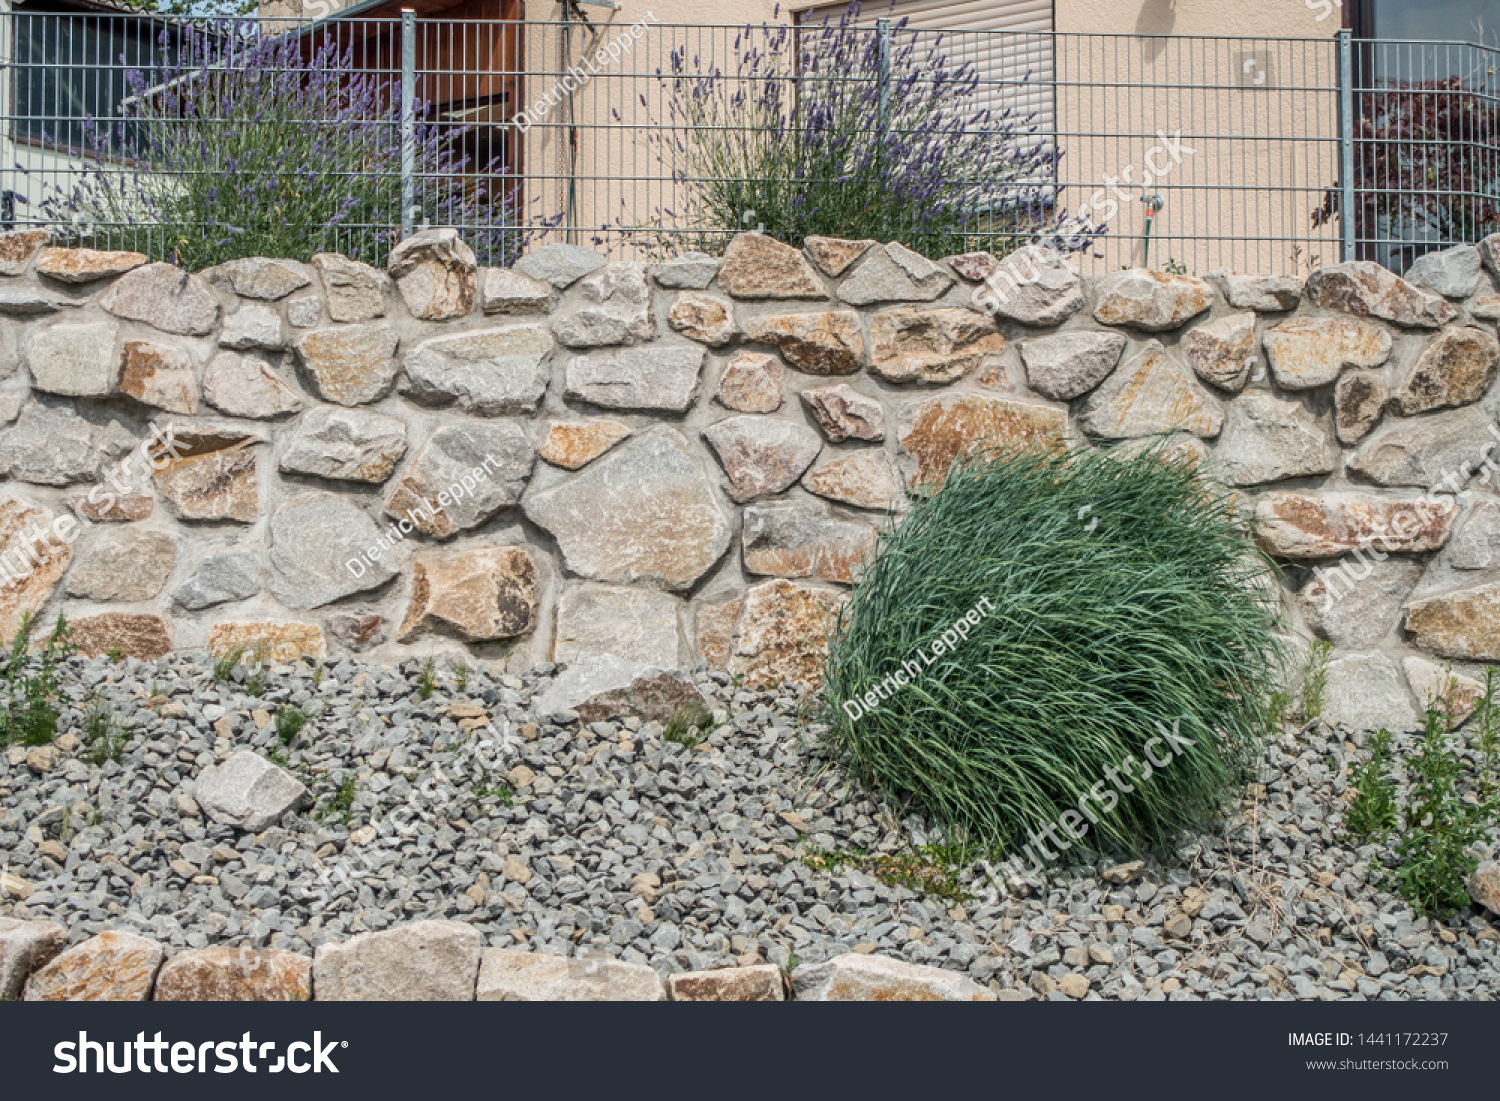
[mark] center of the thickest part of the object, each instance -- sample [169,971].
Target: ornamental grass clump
[1127,599]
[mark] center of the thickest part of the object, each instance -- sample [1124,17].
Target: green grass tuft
[686,723]
[289,723]
[1100,632]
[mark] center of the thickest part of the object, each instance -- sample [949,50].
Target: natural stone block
[350,445]
[51,445]
[111,967]
[75,360]
[1477,544]
[244,386]
[235,975]
[1150,395]
[1365,289]
[1461,625]
[1034,285]
[761,455]
[1357,606]
[1069,365]
[831,343]
[258,277]
[660,377]
[1265,293]
[359,631]
[350,365]
[1358,399]
[1438,450]
[1452,272]
[894,273]
[862,478]
[858,978]
[646,513]
[1457,368]
[975,267]
[489,373]
[843,413]
[504,290]
[425,961]
[715,630]
[909,344]
[611,619]
[214,475]
[1222,352]
[248,792]
[752,383]
[84,265]
[1484,885]
[436,274]
[463,476]
[305,312]
[32,561]
[801,539]
[780,634]
[147,637]
[1327,525]
[26,946]
[934,432]
[1365,692]
[1149,300]
[757,266]
[761,983]
[253,325]
[1438,687]
[604,687]
[705,318]
[323,548]
[1268,439]
[274,642]
[18,246]
[164,297]
[834,255]
[692,271]
[613,307]
[356,292]
[476,593]
[574,444]
[30,302]
[125,564]
[158,375]
[221,579]
[561,265]
[509,975]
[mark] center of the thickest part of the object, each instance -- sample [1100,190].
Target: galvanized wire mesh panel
[208,138]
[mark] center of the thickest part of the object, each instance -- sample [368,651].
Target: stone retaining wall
[688,460]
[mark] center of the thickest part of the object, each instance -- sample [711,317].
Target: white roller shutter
[1014,62]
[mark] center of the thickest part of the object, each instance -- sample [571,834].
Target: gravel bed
[577,838]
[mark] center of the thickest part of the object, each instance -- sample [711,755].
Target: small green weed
[341,806]
[1278,706]
[224,664]
[115,654]
[1175,266]
[461,677]
[104,737]
[502,793]
[289,723]
[1315,683]
[932,869]
[1372,810]
[30,683]
[686,723]
[318,674]
[428,680]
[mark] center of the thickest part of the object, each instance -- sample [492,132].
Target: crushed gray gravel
[569,837]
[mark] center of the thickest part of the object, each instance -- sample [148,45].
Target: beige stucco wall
[1236,18]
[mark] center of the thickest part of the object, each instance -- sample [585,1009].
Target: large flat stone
[241,974]
[244,386]
[143,636]
[759,983]
[1033,285]
[611,619]
[1222,351]
[505,291]
[1268,439]
[1069,365]
[111,967]
[128,564]
[1263,293]
[1356,606]
[752,383]
[560,265]
[426,961]
[351,365]
[349,445]
[1425,451]
[910,344]
[801,539]
[274,642]
[85,265]
[463,476]
[436,274]
[573,444]
[476,593]
[510,975]
[159,375]
[248,792]
[1477,544]
[1150,395]
[1358,399]
[761,455]
[648,512]
[859,978]
[1327,525]
[1462,625]
[757,266]
[1308,352]
[933,432]
[253,325]
[605,687]
[1452,272]
[215,475]
[356,291]
[894,273]
[51,445]
[1365,289]
[611,306]
[26,946]
[1457,368]
[221,579]
[164,297]
[829,343]
[75,360]
[692,271]
[491,372]
[862,478]
[843,413]
[258,277]
[1150,300]
[780,633]
[656,377]
[322,549]
[1367,692]
[705,318]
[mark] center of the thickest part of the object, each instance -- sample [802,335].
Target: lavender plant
[805,137]
[237,144]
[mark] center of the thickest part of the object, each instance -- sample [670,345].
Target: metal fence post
[1346,144]
[883,63]
[408,119]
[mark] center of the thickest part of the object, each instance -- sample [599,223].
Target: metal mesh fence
[206,139]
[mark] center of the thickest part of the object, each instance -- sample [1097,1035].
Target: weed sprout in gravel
[1159,613]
